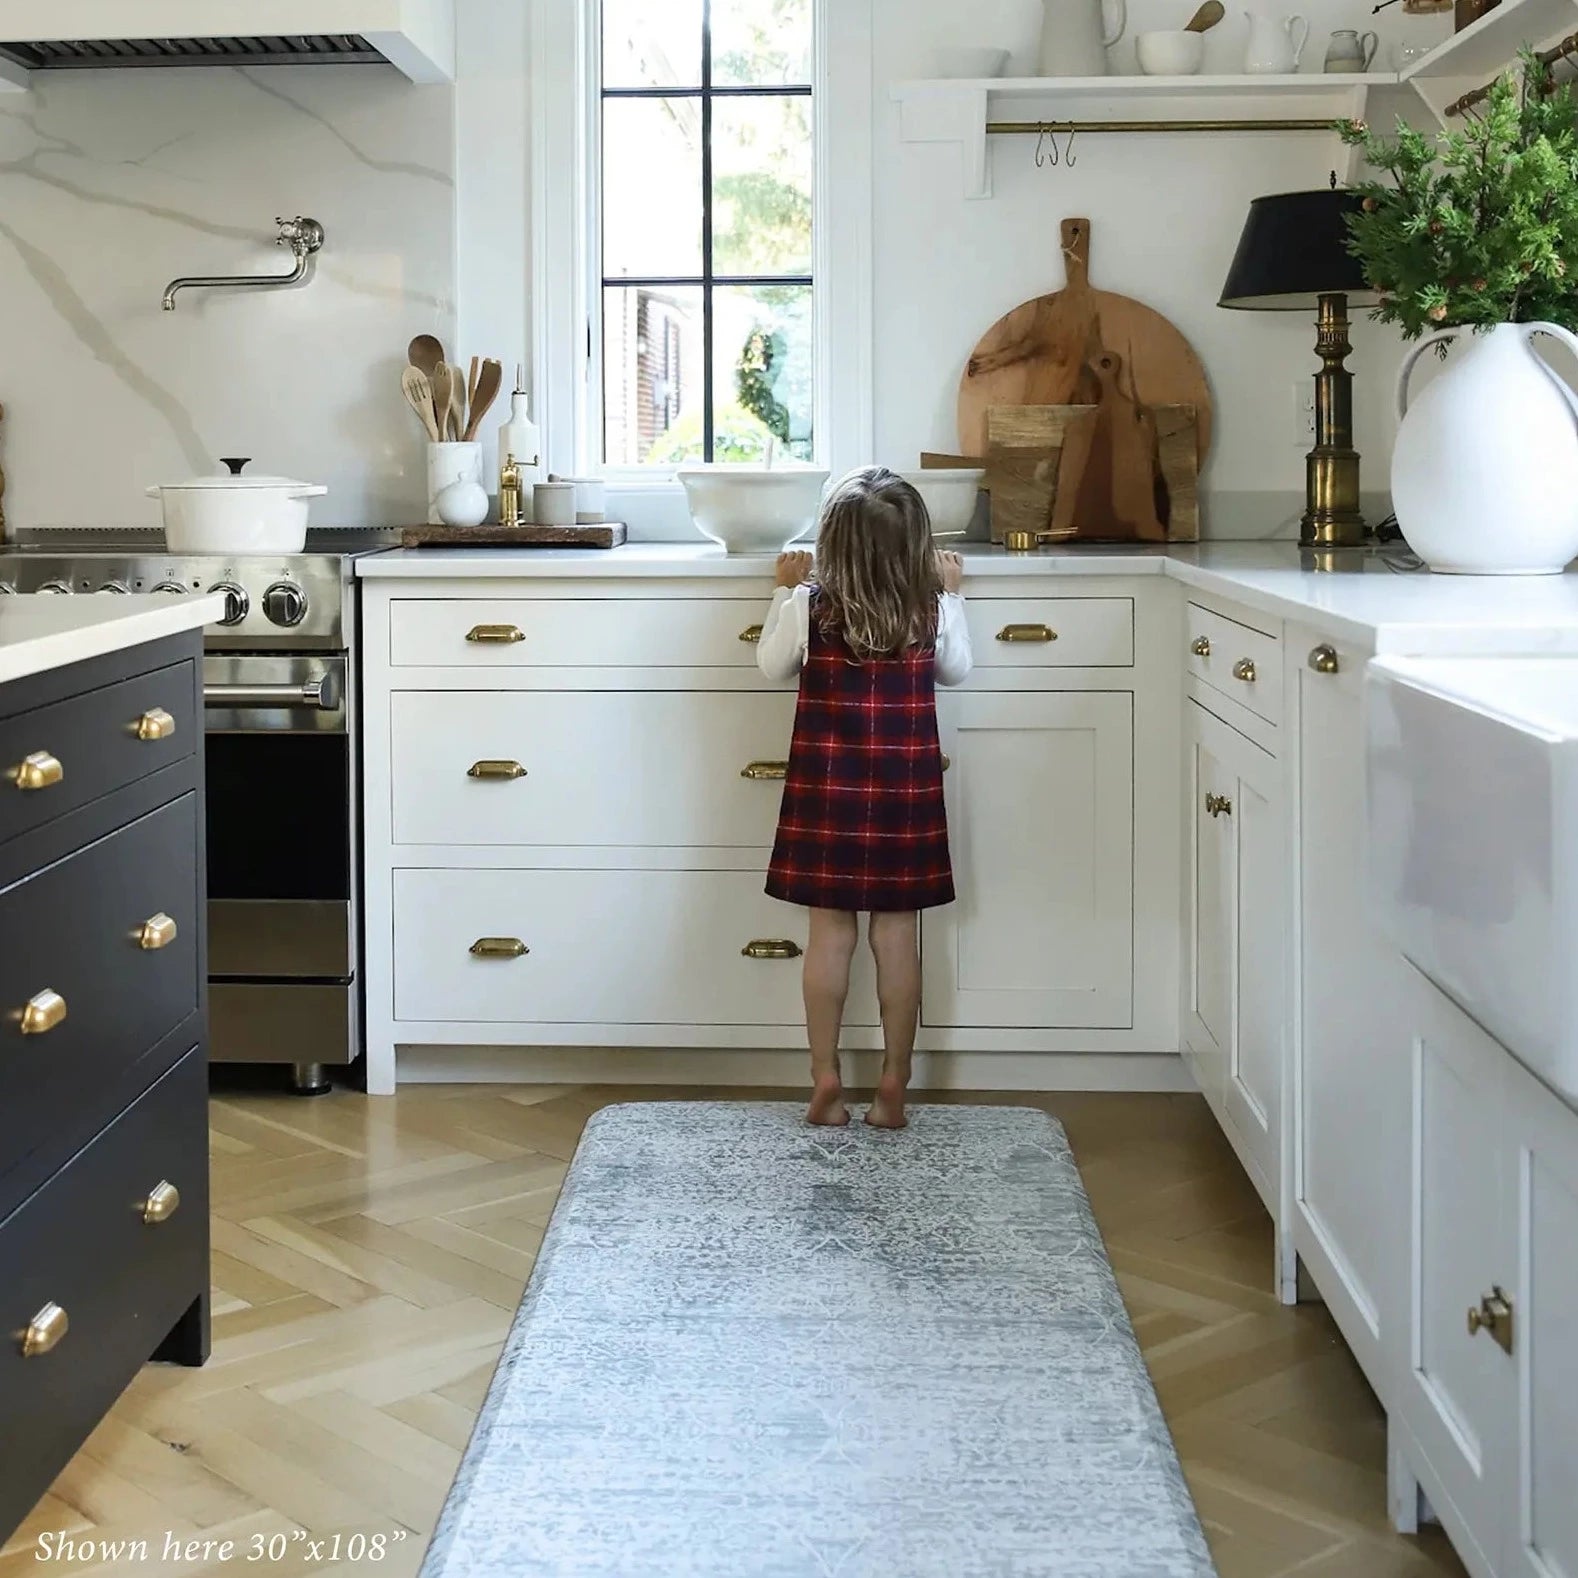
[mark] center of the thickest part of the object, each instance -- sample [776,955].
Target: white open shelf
[961,110]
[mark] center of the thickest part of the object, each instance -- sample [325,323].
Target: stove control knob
[285,604]
[120,588]
[169,588]
[237,603]
[56,588]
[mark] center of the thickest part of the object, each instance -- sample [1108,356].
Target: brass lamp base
[1331,482]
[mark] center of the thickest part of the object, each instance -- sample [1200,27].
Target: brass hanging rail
[1546,57]
[1083,128]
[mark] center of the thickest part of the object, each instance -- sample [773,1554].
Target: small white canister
[446,464]
[553,504]
[591,498]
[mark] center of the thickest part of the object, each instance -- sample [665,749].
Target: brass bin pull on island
[761,772]
[44,1331]
[751,634]
[1027,633]
[495,635]
[497,771]
[157,932]
[154,724]
[499,948]
[42,1012]
[163,1201]
[38,771]
[771,948]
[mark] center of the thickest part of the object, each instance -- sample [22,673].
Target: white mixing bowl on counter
[950,498]
[753,509]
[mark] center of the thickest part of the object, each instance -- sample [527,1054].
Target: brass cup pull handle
[154,724]
[499,948]
[1324,660]
[38,771]
[42,1012]
[44,1331]
[1027,634]
[1201,646]
[496,771]
[771,948]
[761,772]
[1494,1315]
[495,635]
[1218,805]
[751,634]
[157,932]
[163,1201]
[1244,669]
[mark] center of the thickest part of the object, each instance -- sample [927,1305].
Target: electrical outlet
[1303,429]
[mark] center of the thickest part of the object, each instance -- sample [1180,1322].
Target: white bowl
[950,498]
[1170,54]
[962,62]
[753,509]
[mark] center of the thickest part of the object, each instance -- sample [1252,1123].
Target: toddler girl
[863,825]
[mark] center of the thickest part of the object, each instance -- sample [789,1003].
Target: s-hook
[1042,158]
[1047,138]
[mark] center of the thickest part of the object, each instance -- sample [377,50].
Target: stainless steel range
[284,769]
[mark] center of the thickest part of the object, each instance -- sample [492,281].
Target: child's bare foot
[887,1106]
[827,1107]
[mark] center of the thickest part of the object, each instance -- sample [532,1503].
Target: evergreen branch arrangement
[1475,227]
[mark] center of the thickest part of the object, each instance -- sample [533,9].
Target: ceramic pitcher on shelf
[1276,44]
[1351,51]
[1075,37]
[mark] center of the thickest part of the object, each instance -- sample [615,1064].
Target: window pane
[764,383]
[761,41]
[651,46]
[653,386]
[651,187]
[761,179]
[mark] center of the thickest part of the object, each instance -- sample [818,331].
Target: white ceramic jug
[1271,50]
[1485,469]
[1074,37]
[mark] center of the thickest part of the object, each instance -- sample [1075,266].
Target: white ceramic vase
[1485,469]
[446,464]
[1075,37]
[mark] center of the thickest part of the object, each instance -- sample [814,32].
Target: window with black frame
[706,231]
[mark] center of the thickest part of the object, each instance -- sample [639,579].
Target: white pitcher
[1074,37]
[1272,50]
[1485,469]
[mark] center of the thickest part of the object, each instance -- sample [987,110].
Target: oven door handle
[319,695]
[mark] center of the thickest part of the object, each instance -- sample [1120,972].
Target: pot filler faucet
[303,236]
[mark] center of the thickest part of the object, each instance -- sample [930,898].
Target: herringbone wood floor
[368,1255]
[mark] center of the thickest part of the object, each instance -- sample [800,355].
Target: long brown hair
[876,567]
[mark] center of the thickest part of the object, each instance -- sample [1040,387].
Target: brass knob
[163,1201]
[497,771]
[1201,646]
[1324,660]
[499,948]
[771,948]
[157,932]
[154,724]
[759,772]
[42,1012]
[1218,805]
[495,635]
[947,761]
[44,1331]
[1027,634]
[1494,1315]
[1244,669]
[751,634]
[38,771]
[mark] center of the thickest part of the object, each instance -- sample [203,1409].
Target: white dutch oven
[236,514]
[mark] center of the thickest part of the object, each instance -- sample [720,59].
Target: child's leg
[895,943]
[825,984]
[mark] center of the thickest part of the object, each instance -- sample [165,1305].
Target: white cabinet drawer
[1236,661]
[602,947]
[574,633]
[1051,632]
[643,768]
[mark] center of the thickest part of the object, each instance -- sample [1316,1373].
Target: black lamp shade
[1294,250]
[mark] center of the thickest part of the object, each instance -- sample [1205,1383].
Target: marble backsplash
[113,183]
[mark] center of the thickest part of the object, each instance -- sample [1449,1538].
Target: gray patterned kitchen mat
[754,1349]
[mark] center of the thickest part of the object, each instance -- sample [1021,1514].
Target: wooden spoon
[426,351]
[442,381]
[419,396]
[457,402]
[471,384]
[1206,17]
[488,384]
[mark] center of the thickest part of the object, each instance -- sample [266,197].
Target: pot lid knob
[235,465]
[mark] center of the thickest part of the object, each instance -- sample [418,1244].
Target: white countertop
[1367,601]
[38,633]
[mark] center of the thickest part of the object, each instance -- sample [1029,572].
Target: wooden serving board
[1040,354]
[607,534]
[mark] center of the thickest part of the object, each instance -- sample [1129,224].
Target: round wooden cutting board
[1041,353]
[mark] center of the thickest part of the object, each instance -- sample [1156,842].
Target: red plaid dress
[863,825]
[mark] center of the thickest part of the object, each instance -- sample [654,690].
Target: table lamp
[1293,257]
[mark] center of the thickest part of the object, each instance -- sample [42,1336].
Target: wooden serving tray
[606,534]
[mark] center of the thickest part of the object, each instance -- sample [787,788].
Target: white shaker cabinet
[1351,1117]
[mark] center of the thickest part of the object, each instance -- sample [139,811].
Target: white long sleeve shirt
[786,637]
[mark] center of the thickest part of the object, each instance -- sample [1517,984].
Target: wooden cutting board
[1041,354]
[608,534]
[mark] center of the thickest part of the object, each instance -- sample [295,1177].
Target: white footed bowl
[950,498]
[753,509]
